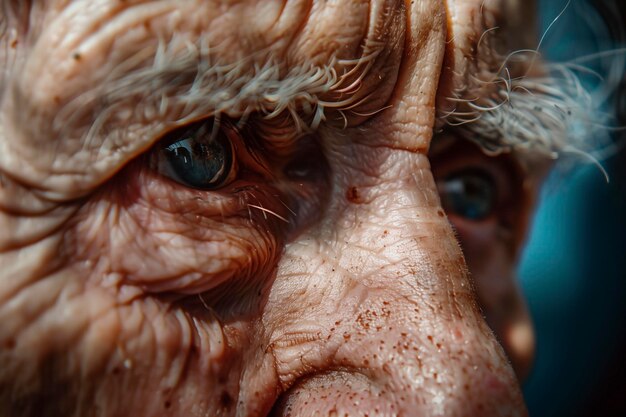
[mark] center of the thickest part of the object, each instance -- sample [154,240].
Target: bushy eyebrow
[545,111]
[518,101]
[188,85]
[550,114]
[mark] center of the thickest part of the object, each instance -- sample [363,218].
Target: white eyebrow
[551,114]
[192,86]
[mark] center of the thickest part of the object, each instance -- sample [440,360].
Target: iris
[469,193]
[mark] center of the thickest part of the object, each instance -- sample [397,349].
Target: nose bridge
[385,220]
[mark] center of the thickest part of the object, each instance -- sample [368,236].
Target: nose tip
[405,338]
[393,357]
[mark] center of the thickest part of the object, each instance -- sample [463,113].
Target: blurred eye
[470,193]
[197,156]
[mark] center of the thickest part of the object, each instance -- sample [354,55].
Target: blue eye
[470,194]
[196,156]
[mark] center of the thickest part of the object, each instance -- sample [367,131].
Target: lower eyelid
[166,238]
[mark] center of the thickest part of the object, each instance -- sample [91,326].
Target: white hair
[548,111]
[186,85]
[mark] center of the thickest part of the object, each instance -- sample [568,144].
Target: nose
[371,311]
[374,314]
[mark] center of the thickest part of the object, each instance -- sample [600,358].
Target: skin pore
[237,208]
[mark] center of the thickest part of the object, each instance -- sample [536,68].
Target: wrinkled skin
[124,293]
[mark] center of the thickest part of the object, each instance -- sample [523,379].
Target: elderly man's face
[215,208]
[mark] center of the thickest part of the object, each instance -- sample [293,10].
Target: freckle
[167,404]
[14,43]
[77,56]
[430,338]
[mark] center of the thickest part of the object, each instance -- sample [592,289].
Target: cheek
[487,245]
[491,258]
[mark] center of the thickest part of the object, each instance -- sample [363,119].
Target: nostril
[335,393]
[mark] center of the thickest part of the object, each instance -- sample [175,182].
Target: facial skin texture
[322,279]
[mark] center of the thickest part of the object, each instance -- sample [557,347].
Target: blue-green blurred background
[573,271]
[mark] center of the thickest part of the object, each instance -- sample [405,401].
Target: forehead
[253,26]
[87,38]
[320,28]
